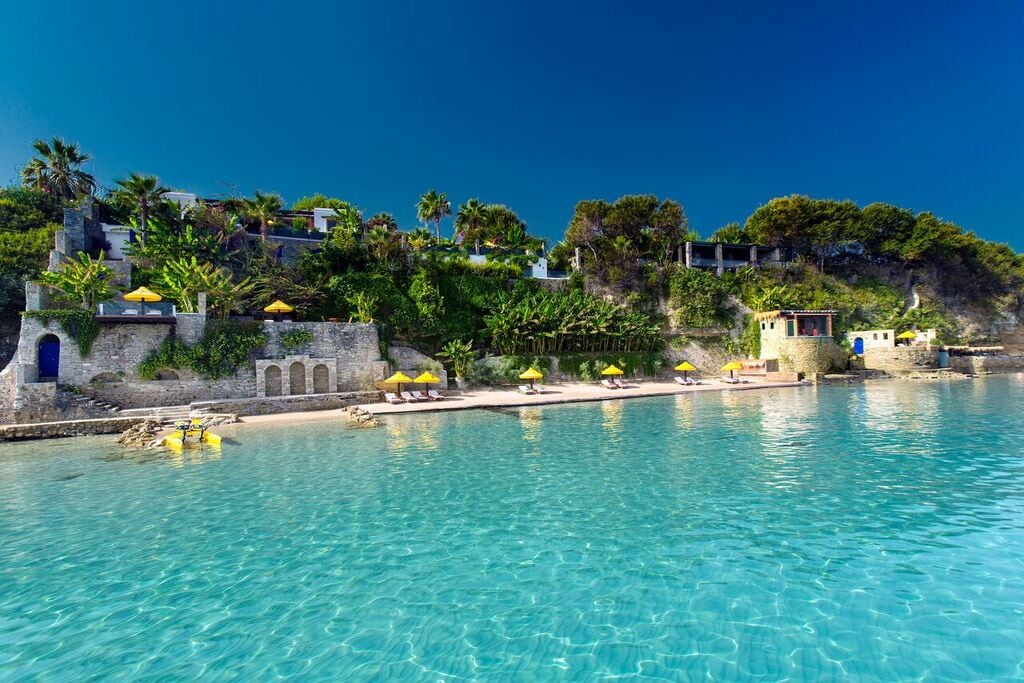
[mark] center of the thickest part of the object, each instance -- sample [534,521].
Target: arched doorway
[858,346]
[272,381]
[297,378]
[321,379]
[49,358]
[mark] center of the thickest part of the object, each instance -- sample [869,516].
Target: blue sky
[535,104]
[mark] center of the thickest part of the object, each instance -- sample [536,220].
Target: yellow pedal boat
[190,432]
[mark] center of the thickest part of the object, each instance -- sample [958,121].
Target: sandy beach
[509,397]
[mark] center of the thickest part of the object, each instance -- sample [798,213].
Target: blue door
[49,357]
[858,346]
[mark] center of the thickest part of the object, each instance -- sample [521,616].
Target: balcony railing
[129,311]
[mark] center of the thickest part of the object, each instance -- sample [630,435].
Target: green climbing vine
[79,323]
[225,347]
[293,339]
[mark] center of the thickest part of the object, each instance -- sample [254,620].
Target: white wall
[119,237]
[320,217]
[874,339]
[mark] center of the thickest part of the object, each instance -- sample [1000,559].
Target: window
[875,336]
[885,335]
[773,326]
[763,326]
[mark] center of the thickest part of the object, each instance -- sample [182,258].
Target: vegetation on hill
[880,266]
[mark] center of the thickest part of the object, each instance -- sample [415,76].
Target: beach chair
[130,311]
[154,312]
[687,382]
[434,396]
[391,398]
[538,388]
[731,380]
[409,398]
[607,384]
[619,383]
[524,389]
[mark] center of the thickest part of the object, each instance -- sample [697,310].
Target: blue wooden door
[858,346]
[49,356]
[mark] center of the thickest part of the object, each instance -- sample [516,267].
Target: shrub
[293,339]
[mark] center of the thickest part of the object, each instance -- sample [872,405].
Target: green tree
[470,220]
[140,192]
[263,207]
[319,201]
[83,282]
[730,233]
[433,208]
[57,169]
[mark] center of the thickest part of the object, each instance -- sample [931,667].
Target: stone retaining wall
[271,405]
[53,430]
[898,360]
[810,355]
[172,392]
[973,365]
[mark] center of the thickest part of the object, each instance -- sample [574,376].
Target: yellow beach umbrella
[427,378]
[612,370]
[398,378]
[532,374]
[279,307]
[907,336]
[731,367]
[142,295]
[685,367]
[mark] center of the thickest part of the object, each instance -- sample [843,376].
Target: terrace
[161,313]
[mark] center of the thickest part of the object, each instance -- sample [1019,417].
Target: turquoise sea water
[839,533]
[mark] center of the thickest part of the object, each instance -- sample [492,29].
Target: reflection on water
[611,412]
[820,533]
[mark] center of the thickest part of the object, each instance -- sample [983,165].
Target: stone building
[801,341]
[49,378]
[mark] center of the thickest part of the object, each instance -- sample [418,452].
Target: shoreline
[481,399]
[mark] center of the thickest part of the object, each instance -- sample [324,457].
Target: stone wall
[409,360]
[270,405]
[118,350]
[974,365]
[296,375]
[354,346]
[52,430]
[155,393]
[810,355]
[901,359]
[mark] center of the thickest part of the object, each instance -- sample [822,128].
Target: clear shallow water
[835,533]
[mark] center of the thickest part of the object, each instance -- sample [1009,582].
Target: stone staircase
[81,403]
[167,415]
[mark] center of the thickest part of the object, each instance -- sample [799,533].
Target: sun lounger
[687,382]
[607,384]
[391,398]
[619,383]
[523,389]
[130,311]
[154,311]
[538,388]
[434,396]
[731,380]
[409,398]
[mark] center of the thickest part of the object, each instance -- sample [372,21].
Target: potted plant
[460,354]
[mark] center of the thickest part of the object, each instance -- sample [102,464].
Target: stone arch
[105,378]
[48,357]
[272,380]
[297,378]
[165,375]
[321,379]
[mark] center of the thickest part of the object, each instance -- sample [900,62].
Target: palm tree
[434,207]
[141,192]
[470,219]
[56,169]
[263,207]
